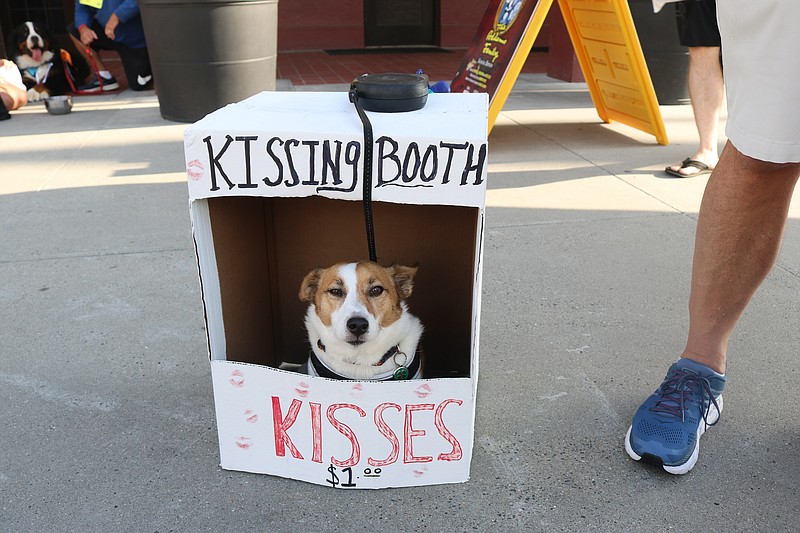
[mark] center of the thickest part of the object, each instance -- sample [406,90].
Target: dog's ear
[403,277]
[309,286]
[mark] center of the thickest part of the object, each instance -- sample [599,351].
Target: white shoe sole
[713,416]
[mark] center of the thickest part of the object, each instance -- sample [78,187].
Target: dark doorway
[400,22]
[53,14]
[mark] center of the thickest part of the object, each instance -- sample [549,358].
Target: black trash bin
[206,54]
[667,60]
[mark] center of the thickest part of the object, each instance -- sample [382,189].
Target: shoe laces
[681,389]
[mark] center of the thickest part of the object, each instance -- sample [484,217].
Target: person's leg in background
[707,93]
[698,30]
[92,57]
[136,62]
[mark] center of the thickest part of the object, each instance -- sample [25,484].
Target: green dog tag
[401,373]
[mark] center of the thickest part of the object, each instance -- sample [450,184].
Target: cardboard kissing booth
[275,191]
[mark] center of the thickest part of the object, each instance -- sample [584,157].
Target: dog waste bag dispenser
[275,184]
[207,54]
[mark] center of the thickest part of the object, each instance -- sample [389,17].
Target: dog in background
[358,322]
[41,67]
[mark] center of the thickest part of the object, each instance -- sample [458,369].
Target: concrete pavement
[106,410]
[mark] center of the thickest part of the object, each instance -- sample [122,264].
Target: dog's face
[355,301]
[30,45]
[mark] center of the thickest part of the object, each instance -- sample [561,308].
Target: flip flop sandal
[701,167]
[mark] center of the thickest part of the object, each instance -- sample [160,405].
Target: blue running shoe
[109,84]
[667,427]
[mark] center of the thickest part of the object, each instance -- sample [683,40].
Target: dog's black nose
[357,325]
[35,39]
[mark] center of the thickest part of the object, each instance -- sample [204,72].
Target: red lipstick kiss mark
[302,389]
[357,391]
[251,416]
[244,442]
[423,391]
[194,170]
[237,379]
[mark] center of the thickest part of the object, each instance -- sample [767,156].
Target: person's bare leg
[707,93]
[739,232]
[9,99]
[12,91]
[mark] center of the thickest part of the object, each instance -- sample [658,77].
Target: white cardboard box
[275,190]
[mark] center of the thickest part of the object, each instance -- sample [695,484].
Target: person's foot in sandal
[692,167]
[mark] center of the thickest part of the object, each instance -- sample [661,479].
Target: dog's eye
[376,291]
[336,292]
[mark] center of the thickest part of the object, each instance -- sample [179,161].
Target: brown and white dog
[358,322]
[40,65]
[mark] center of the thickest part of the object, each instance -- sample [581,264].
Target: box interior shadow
[265,246]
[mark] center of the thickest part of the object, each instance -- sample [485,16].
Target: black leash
[367,192]
[385,93]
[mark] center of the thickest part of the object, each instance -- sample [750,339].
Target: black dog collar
[402,373]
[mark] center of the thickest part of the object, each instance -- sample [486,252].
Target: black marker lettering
[247,184]
[450,150]
[432,154]
[391,156]
[312,152]
[278,163]
[287,148]
[215,164]
[332,163]
[412,151]
[477,167]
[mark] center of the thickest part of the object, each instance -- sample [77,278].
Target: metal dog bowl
[58,105]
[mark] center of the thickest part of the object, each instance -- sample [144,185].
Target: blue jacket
[130,31]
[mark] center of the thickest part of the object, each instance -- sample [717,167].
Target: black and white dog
[40,65]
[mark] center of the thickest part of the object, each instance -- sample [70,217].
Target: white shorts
[761,62]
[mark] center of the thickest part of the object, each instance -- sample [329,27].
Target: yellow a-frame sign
[605,43]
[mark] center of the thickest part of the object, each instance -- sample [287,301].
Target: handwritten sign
[331,165]
[355,434]
[447,157]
